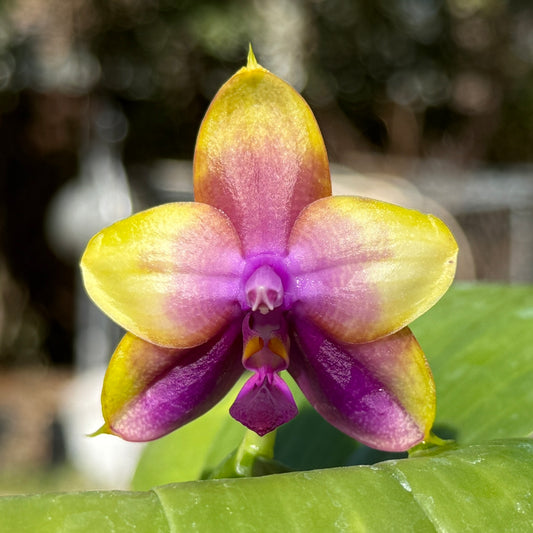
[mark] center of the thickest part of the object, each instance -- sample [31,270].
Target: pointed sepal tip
[104,430]
[251,63]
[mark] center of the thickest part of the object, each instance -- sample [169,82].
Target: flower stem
[253,457]
[431,443]
[251,448]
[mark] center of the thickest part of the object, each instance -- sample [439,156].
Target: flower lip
[264,403]
[266,342]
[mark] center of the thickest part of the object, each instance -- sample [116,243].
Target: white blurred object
[99,196]
[106,461]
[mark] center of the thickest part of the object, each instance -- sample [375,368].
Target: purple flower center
[264,290]
[265,401]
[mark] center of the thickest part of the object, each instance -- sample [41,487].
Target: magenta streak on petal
[269,196]
[200,299]
[198,380]
[347,394]
[335,295]
[264,403]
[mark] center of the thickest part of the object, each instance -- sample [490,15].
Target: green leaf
[479,341]
[83,512]
[483,487]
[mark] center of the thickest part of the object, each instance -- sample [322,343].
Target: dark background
[389,82]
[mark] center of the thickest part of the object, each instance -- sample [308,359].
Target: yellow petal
[170,275]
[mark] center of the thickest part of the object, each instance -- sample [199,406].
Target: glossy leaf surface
[484,487]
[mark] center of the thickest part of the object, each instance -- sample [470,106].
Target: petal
[150,391]
[260,157]
[363,269]
[381,393]
[170,274]
[264,403]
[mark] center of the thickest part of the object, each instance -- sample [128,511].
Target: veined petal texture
[150,391]
[170,275]
[260,158]
[363,268]
[380,393]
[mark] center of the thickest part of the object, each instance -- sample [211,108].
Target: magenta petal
[345,391]
[190,383]
[264,403]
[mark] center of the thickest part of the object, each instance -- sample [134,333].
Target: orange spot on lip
[274,345]
[254,345]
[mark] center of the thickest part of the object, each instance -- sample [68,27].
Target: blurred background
[426,103]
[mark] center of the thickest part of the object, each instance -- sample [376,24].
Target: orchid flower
[266,271]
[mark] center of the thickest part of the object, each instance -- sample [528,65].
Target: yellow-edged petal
[364,268]
[150,391]
[170,274]
[381,393]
